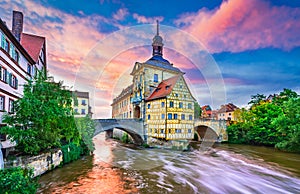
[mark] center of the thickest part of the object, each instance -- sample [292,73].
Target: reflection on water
[225,169]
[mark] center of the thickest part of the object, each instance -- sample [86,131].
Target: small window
[83,102]
[2,103]
[180,105]
[149,106]
[229,114]
[182,116]
[170,130]
[190,117]
[4,75]
[171,104]
[162,116]
[161,131]
[176,95]
[162,104]
[11,106]
[29,69]
[169,116]
[16,57]
[175,116]
[149,117]
[76,111]
[189,130]
[155,78]
[190,105]
[6,45]
[83,111]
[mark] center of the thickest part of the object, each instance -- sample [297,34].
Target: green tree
[197,110]
[86,127]
[43,118]
[17,181]
[256,99]
[284,96]
[288,125]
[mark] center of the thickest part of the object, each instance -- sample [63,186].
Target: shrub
[17,180]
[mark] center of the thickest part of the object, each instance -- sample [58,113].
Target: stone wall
[40,164]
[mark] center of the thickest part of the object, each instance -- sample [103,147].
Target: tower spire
[157,27]
[157,43]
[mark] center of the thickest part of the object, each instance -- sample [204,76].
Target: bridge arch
[133,128]
[206,133]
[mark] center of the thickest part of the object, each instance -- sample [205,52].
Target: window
[229,114]
[76,111]
[155,130]
[13,81]
[170,131]
[149,106]
[155,78]
[162,104]
[190,105]
[4,75]
[29,69]
[182,116]
[170,116]
[16,57]
[180,86]
[176,95]
[83,102]
[2,103]
[11,106]
[177,130]
[180,105]
[175,116]
[162,116]
[190,117]
[6,45]
[171,104]
[189,130]
[161,131]
[149,117]
[83,111]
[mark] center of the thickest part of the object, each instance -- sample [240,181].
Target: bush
[125,138]
[71,152]
[17,180]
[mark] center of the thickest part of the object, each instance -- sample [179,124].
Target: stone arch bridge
[205,129]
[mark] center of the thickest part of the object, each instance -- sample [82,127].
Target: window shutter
[5,76]
[0,73]
[17,84]
[9,79]
[12,51]
[2,41]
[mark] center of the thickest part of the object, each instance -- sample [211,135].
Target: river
[119,168]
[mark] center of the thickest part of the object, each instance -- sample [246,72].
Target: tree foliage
[17,181]
[43,118]
[275,123]
[86,128]
[197,110]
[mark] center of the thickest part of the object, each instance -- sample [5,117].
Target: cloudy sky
[254,44]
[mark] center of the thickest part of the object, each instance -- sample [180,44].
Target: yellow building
[170,110]
[81,105]
[159,96]
[121,106]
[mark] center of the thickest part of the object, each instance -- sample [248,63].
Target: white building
[21,55]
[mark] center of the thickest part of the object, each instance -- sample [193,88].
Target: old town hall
[159,95]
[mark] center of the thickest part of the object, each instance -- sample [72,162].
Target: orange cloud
[242,25]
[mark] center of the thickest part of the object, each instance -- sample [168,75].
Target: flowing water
[119,168]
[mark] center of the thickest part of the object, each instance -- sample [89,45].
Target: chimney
[17,24]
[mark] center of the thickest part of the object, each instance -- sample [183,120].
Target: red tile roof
[164,88]
[32,44]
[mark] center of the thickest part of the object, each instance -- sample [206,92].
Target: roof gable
[33,45]
[164,88]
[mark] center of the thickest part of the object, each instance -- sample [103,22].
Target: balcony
[136,100]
